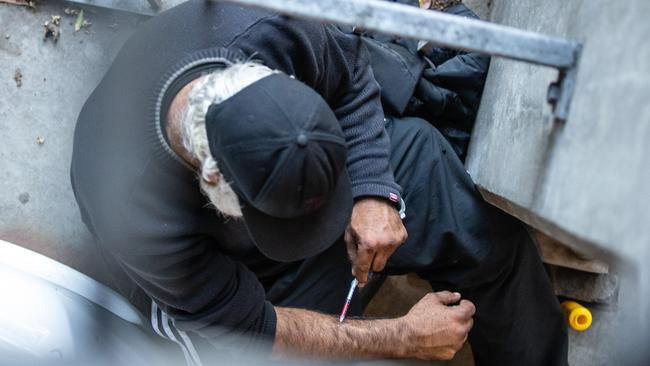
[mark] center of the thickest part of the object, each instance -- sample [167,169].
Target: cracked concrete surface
[37,119]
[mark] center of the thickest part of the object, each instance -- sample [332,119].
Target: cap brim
[288,240]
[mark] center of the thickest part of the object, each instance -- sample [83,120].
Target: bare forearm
[307,333]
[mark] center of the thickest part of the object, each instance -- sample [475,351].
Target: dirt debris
[81,22]
[40,140]
[27,3]
[71,11]
[11,47]
[438,4]
[51,28]
[444,4]
[18,78]
[23,197]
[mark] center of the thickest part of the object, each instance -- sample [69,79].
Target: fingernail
[457,293]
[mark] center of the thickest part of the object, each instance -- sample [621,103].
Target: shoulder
[291,30]
[130,210]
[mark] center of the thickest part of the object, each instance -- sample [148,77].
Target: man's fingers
[464,340]
[362,265]
[448,298]
[467,307]
[379,262]
[470,324]
[376,231]
[382,256]
[362,258]
[465,329]
[350,246]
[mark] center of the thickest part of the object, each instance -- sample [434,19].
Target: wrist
[391,337]
[400,330]
[400,205]
[378,338]
[388,192]
[380,199]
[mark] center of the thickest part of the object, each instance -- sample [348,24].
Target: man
[301,170]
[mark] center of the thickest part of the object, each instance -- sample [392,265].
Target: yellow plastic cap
[578,316]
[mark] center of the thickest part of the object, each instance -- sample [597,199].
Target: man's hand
[374,233]
[437,326]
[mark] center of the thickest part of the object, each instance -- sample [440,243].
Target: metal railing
[446,30]
[432,26]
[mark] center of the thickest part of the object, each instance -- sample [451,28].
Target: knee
[417,126]
[421,133]
[419,151]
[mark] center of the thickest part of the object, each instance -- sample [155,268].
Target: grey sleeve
[361,116]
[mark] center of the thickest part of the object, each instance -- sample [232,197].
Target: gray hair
[215,88]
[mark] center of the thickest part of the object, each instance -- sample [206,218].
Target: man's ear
[211,178]
[222,197]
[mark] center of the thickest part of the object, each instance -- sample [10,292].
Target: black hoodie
[142,203]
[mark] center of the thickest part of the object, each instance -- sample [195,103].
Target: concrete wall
[37,208]
[584,183]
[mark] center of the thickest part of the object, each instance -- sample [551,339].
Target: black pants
[456,242]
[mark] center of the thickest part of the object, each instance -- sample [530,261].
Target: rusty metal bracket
[560,92]
[449,31]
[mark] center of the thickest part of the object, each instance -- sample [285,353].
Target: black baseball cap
[281,148]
